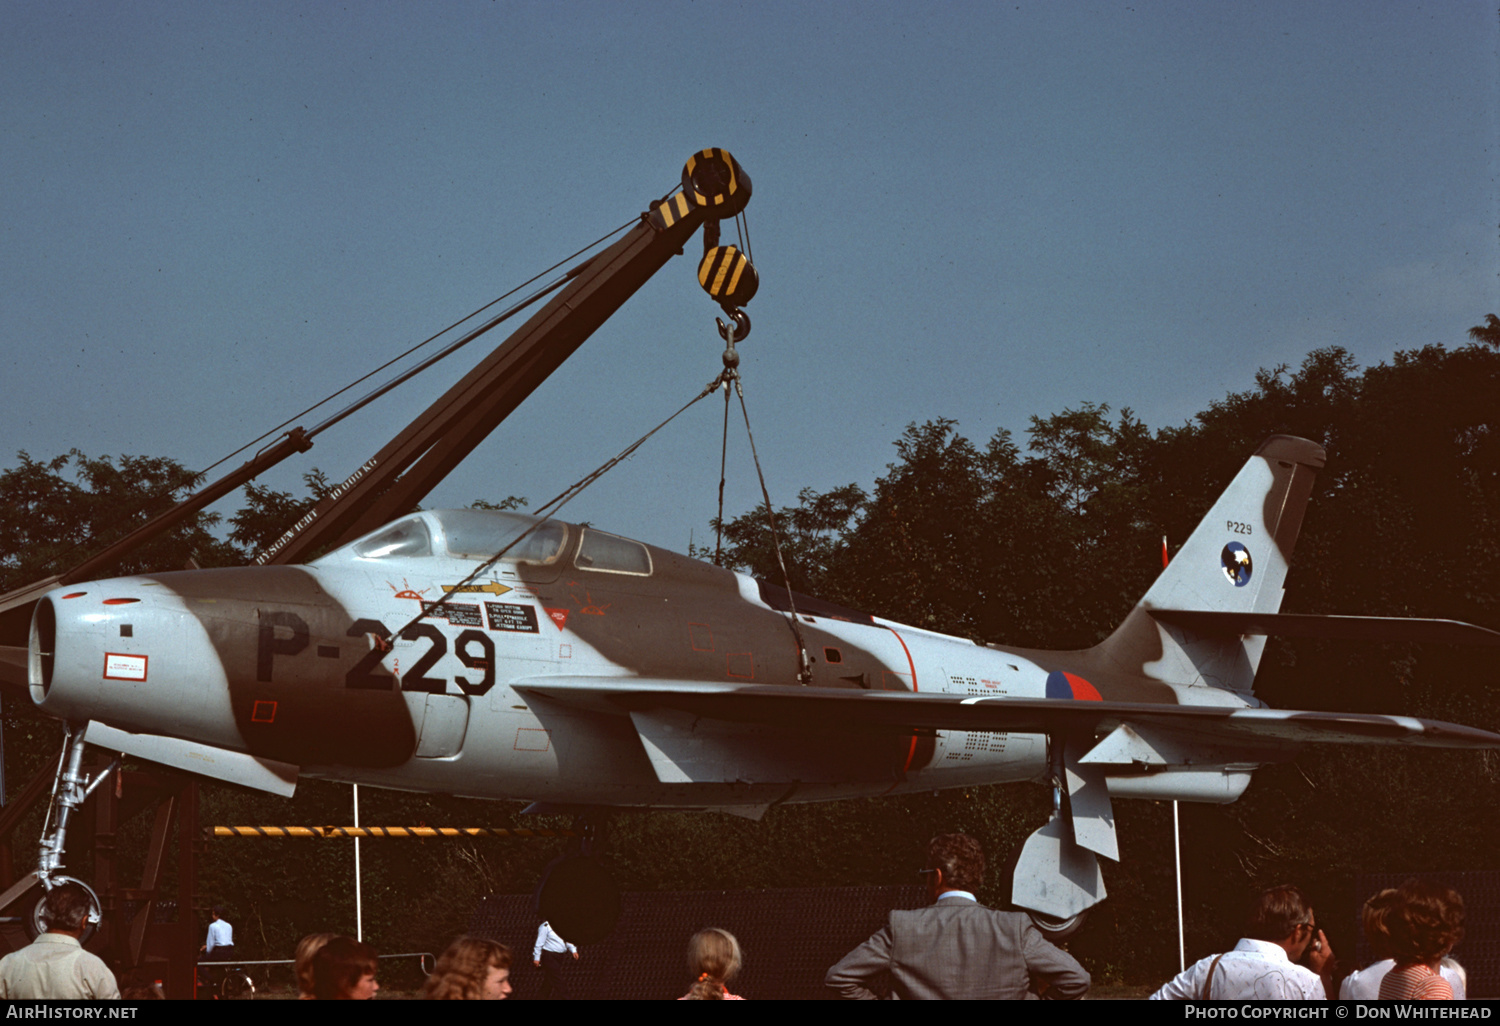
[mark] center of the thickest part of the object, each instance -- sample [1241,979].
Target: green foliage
[57,513]
[509,502]
[1052,548]
[978,542]
[1047,547]
[808,533]
[270,513]
[1488,332]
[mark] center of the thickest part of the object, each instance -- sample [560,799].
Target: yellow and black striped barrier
[421,832]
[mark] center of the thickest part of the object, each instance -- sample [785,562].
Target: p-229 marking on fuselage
[326,680]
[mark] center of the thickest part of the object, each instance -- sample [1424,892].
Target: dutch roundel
[1068,685]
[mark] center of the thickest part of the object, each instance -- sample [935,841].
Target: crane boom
[411,464]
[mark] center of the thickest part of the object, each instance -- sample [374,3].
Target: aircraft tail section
[1234,562]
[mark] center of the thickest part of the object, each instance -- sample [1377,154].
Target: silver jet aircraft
[581,668]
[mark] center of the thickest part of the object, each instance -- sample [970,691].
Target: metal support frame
[131,939]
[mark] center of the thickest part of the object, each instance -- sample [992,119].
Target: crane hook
[741,326]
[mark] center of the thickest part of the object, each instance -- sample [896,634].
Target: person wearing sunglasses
[1280,932]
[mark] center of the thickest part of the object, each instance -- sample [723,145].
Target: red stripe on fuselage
[911,752]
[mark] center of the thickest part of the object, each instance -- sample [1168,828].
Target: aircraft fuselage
[288,664]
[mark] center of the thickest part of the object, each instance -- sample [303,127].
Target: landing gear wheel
[35,925]
[237,986]
[1058,930]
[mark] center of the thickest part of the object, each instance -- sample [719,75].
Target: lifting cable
[733,332]
[560,500]
[146,503]
[436,335]
[728,377]
[742,227]
[723,462]
[736,331]
[804,668]
[711,274]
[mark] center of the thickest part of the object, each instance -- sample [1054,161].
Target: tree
[1488,332]
[270,513]
[945,540]
[55,514]
[809,533]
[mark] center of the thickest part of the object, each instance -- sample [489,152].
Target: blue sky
[215,214]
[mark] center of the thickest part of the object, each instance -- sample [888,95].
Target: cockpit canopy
[466,534]
[479,535]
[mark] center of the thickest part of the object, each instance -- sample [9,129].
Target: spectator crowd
[953,948]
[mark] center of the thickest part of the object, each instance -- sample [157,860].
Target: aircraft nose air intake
[71,654]
[256,660]
[126,652]
[42,645]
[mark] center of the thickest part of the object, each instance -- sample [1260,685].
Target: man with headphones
[55,966]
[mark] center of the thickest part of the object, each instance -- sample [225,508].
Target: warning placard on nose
[124,667]
[505,616]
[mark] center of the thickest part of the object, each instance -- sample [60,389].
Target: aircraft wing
[1343,628]
[805,708]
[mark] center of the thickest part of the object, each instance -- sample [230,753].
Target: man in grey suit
[956,948]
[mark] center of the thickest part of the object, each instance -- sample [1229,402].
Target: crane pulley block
[715,183]
[715,187]
[728,276]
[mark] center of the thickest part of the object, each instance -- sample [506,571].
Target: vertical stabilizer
[1236,560]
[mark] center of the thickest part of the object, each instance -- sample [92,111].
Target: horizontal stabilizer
[221,764]
[821,710]
[1343,628]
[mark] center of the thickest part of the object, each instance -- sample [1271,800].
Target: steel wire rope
[198,476]
[431,338]
[723,462]
[742,231]
[804,673]
[557,502]
[727,377]
[742,227]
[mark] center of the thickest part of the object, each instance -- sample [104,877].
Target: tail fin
[1235,561]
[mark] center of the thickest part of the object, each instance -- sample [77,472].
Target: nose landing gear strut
[71,786]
